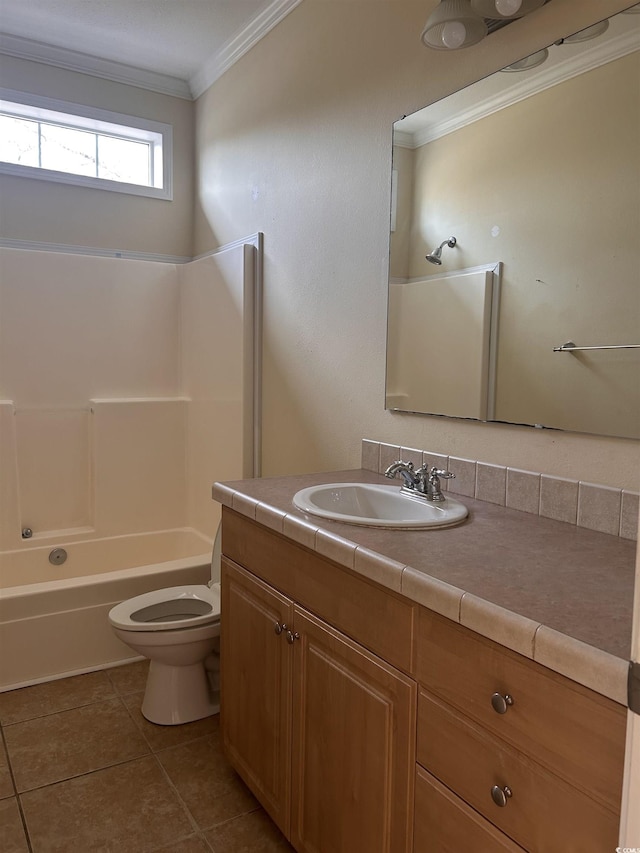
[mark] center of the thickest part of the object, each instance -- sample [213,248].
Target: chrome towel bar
[571,347]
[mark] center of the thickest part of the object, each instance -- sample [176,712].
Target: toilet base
[178,694]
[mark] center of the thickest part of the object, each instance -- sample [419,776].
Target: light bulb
[454,34]
[508,8]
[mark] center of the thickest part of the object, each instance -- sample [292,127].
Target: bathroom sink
[375,505]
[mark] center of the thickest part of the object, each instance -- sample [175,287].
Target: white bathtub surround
[126,390]
[588,505]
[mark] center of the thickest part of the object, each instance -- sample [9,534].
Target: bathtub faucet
[423,482]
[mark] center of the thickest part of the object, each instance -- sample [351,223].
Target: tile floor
[82,770]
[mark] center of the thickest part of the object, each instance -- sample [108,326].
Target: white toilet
[178,629]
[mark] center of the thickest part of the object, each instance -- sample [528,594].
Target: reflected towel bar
[571,347]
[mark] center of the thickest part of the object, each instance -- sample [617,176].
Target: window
[86,147]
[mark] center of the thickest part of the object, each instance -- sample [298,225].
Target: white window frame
[77,116]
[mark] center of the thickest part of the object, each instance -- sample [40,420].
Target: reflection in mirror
[426,372]
[536,174]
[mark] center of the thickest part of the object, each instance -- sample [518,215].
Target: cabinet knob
[500,796]
[292,636]
[279,627]
[501,703]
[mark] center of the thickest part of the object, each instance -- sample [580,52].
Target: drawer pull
[279,627]
[501,703]
[500,796]
[292,637]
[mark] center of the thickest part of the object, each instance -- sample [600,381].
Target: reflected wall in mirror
[536,174]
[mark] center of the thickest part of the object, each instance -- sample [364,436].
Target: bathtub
[53,618]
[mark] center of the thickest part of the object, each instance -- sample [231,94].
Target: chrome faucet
[423,482]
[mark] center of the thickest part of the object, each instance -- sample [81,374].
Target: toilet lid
[169,609]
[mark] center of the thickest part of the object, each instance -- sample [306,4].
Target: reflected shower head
[435,257]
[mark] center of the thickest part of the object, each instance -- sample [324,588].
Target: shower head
[435,257]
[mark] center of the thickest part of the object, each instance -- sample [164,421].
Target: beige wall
[48,212]
[295,140]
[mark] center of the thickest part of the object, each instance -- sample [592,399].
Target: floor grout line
[120,763]
[80,704]
[185,808]
[15,791]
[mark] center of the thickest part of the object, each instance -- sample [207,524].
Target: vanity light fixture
[505,8]
[435,257]
[540,56]
[587,34]
[452,25]
[461,23]
[531,61]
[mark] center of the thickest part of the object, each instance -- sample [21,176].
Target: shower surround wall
[124,392]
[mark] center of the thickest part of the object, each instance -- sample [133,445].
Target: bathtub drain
[57,556]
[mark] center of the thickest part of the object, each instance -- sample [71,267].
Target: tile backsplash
[589,505]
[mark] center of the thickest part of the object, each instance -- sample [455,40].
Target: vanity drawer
[375,617]
[446,824]
[543,814]
[574,732]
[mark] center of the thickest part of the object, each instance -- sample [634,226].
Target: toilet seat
[171,609]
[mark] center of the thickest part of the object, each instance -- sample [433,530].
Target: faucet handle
[442,474]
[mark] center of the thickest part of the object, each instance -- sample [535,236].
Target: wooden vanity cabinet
[350,710]
[321,730]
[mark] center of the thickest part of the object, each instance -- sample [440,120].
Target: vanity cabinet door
[320,729]
[255,690]
[353,746]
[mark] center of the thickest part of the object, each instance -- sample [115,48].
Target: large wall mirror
[533,315]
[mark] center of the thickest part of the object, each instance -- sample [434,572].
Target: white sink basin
[377,506]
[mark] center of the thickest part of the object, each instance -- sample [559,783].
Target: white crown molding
[215,67]
[72,60]
[402,139]
[587,60]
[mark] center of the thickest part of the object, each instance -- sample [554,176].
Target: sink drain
[57,556]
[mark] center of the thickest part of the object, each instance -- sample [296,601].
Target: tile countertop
[558,594]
